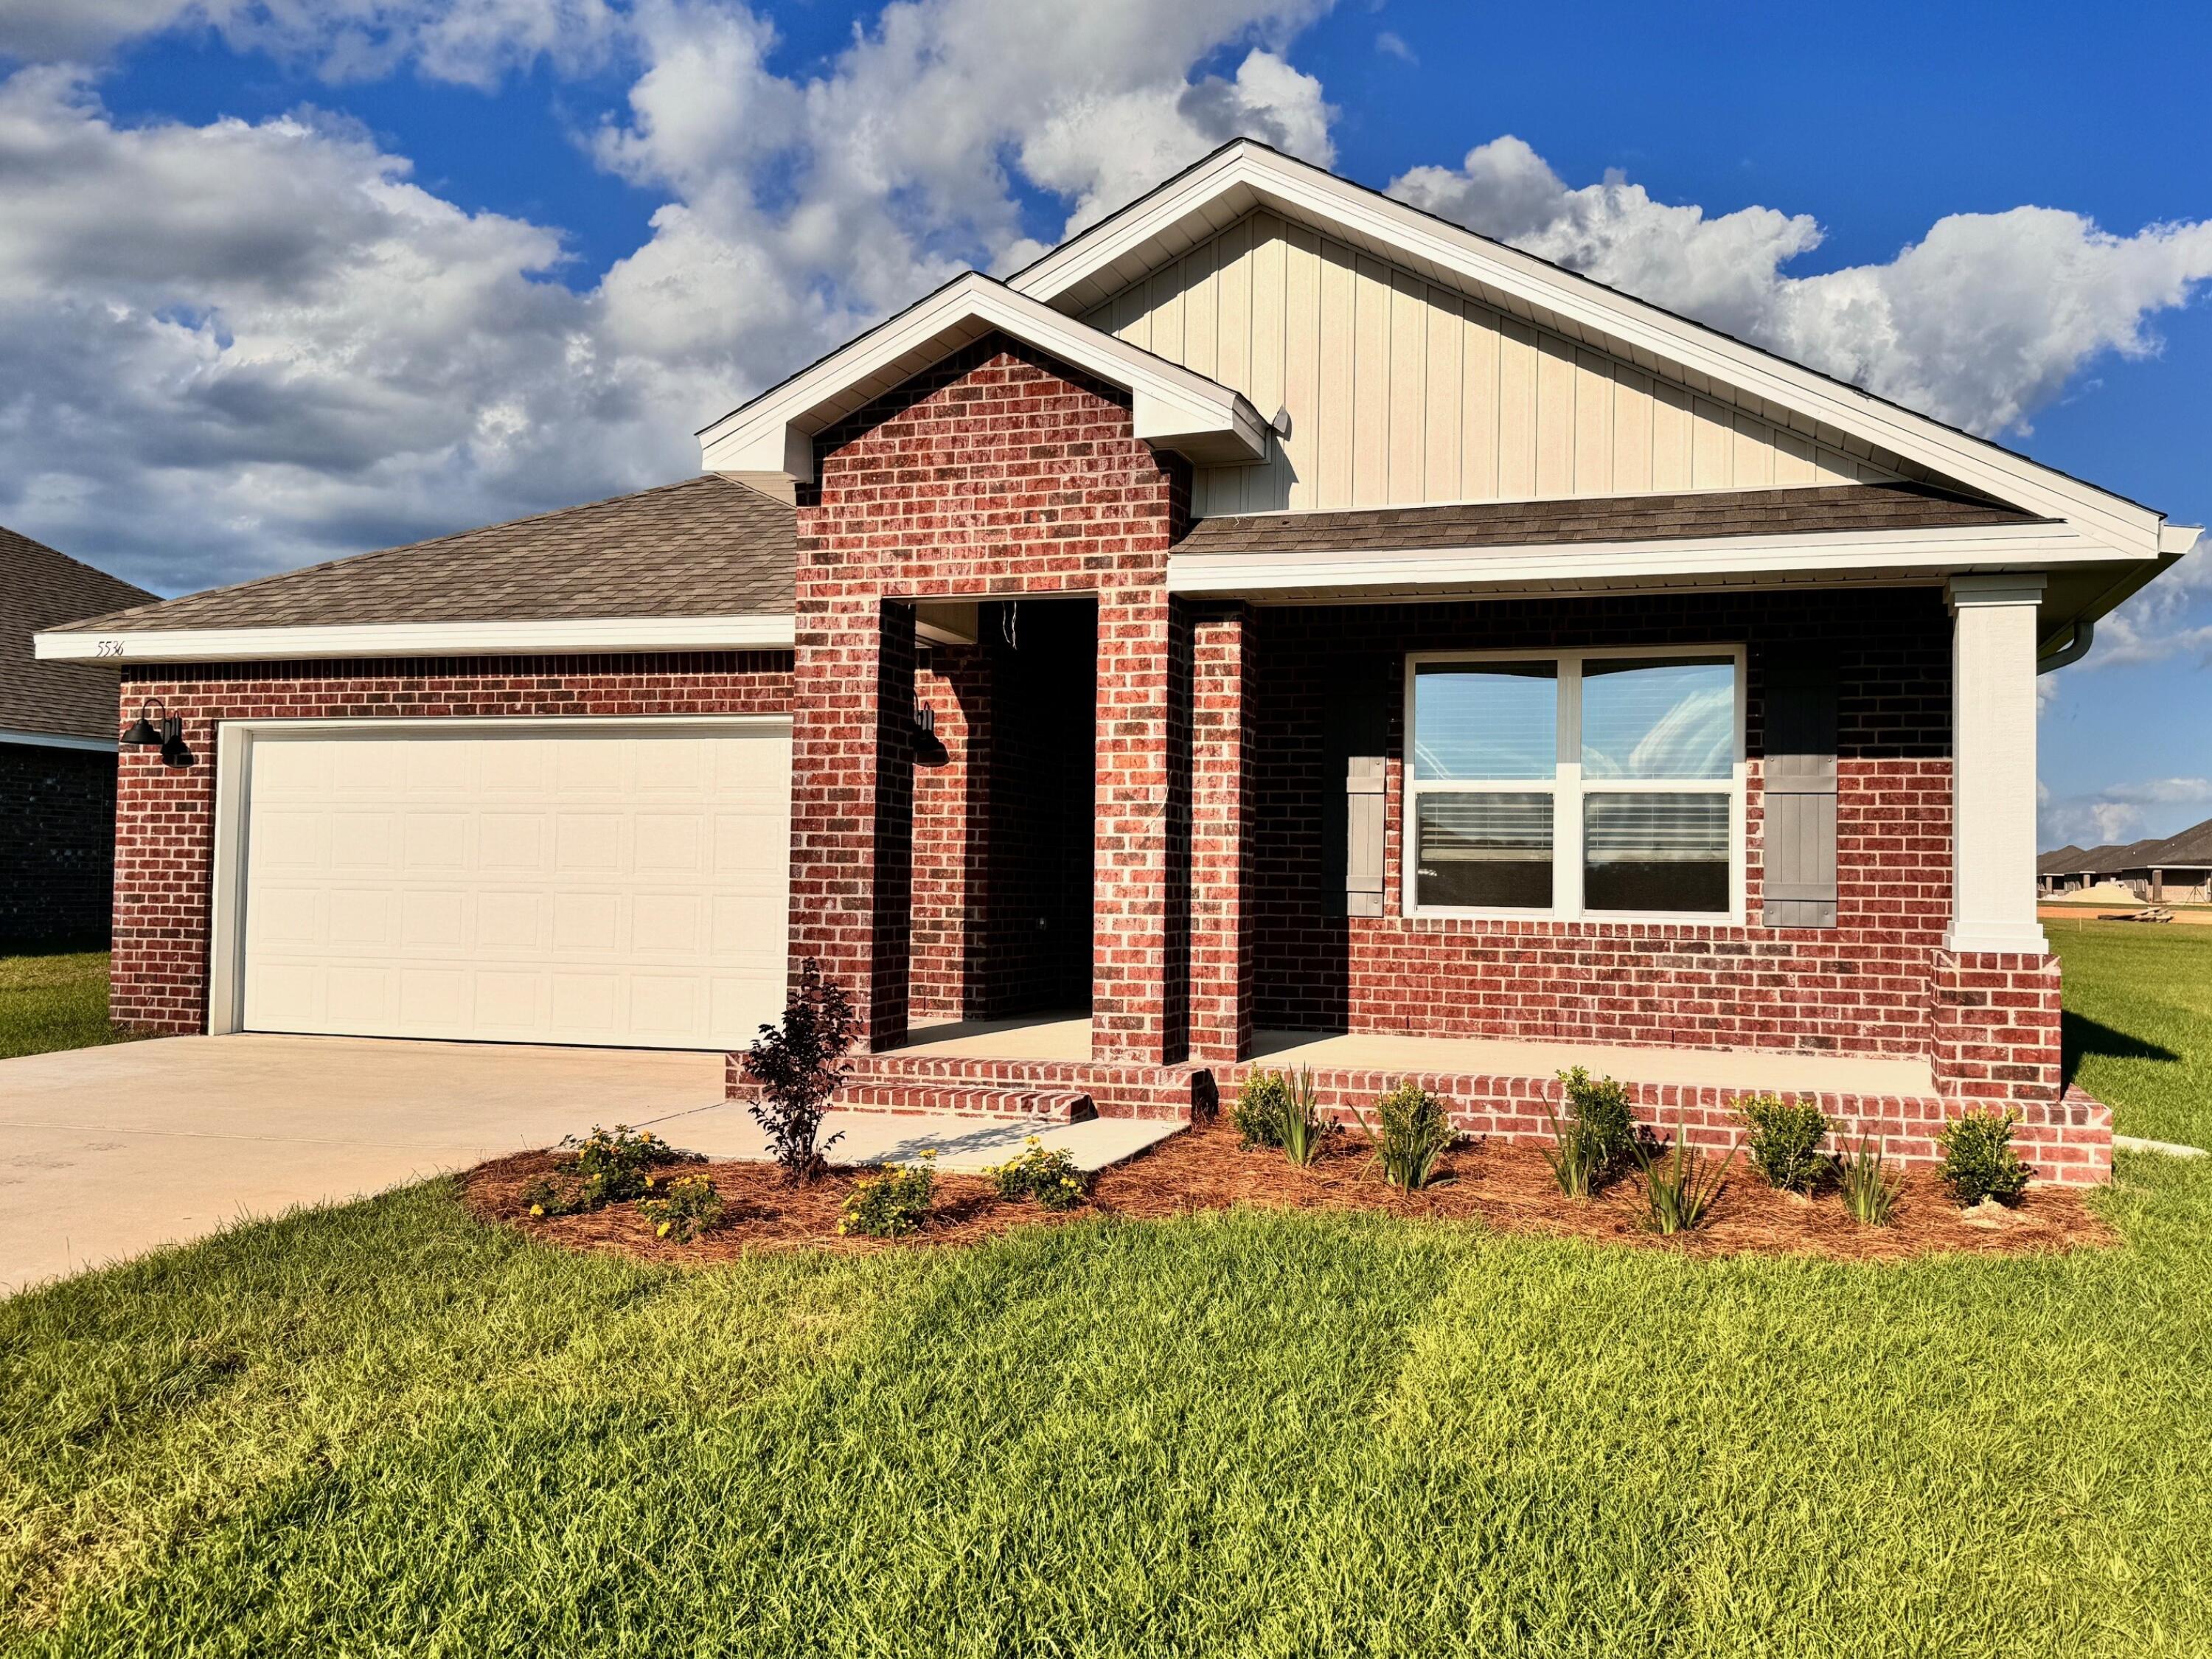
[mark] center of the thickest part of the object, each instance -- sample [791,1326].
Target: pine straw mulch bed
[1505,1187]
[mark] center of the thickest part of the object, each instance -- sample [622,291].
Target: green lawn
[54,1001]
[382,1429]
[2139,1022]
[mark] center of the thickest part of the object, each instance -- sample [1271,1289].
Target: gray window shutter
[1800,885]
[1353,725]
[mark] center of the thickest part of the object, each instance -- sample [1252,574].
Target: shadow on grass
[2081,1036]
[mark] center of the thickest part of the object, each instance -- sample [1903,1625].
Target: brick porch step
[915,1097]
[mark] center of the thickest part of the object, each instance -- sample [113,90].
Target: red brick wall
[1223,749]
[165,816]
[951,836]
[997,473]
[1863,986]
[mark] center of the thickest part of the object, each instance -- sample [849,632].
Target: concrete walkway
[106,1153]
[110,1152]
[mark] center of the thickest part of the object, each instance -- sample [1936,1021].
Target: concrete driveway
[108,1152]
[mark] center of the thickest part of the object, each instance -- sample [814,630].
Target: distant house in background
[57,746]
[2172,869]
[2056,871]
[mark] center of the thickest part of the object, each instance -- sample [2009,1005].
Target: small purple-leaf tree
[798,1066]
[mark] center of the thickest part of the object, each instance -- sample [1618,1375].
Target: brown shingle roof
[2189,850]
[39,587]
[2060,860]
[706,547]
[1857,506]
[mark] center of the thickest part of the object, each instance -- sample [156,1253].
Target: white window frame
[1568,791]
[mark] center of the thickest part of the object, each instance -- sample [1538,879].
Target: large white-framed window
[1604,784]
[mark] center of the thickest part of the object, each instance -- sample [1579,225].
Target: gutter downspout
[2072,652]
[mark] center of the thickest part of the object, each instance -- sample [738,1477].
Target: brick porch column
[1139,985]
[1996,1018]
[852,802]
[1220,855]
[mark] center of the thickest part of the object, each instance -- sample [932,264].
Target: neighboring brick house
[58,731]
[1277,626]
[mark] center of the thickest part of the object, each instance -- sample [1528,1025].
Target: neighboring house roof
[2189,850]
[1601,519]
[2060,861]
[42,587]
[706,549]
[2114,856]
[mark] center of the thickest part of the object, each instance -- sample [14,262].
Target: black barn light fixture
[156,727]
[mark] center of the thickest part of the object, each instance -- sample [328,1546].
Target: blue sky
[283,282]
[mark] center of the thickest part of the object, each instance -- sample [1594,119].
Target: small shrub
[1415,1131]
[1784,1138]
[1303,1127]
[688,1207]
[892,1202]
[605,1167]
[1261,1104]
[1594,1141]
[1870,1194]
[1978,1161]
[798,1065]
[1678,1191]
[1049,1179]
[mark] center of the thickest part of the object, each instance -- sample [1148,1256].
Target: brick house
[57,753]
[1276,627]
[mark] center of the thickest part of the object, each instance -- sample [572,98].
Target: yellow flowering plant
[1046,1178]
[605,1167]
[892,1202]
[688,1207]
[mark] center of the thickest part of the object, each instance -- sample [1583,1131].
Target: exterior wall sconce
[156,727]
[925,720]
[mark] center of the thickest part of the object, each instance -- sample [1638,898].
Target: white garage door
[614,885]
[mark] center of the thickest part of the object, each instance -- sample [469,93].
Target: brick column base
[1996,1025]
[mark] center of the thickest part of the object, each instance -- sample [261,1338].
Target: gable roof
[2059,861]
[1245,174]
[1173,407]
[43,586]
[705,549]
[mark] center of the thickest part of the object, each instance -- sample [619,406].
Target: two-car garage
[618,881]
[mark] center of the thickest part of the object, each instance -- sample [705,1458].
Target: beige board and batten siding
[1401,391]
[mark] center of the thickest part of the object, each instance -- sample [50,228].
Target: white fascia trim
[55,740]
[1307,192]
[1923,552]
[1173,406]
[587,636]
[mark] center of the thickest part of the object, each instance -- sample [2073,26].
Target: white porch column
[1993,765]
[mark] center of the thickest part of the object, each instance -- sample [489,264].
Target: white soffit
[1173,407]
[559,636]
[1930,554]
[1208,197]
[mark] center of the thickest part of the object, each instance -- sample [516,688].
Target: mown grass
[2139,1022]
[383,1429]
[57,1000]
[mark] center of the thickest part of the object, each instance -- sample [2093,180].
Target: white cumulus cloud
[1979,323]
